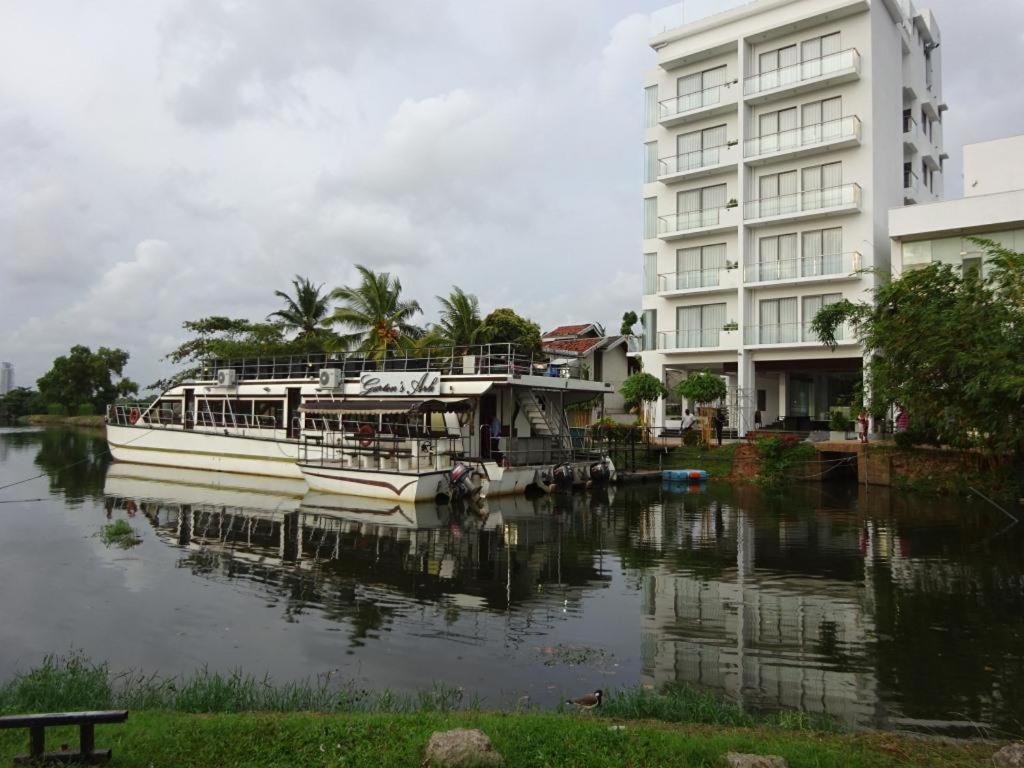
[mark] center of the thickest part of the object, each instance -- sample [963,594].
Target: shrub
[783,458]
[56,409]
[86,409]
[840,422]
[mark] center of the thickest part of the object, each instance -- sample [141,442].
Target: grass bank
[716,461]
[238,720]
[44,420]
[153,738]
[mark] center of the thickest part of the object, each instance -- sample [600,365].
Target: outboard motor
[460,481]
[600,472]
[562,475]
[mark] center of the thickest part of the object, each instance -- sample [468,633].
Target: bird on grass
[587,702]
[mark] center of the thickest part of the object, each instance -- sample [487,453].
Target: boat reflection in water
[320,546]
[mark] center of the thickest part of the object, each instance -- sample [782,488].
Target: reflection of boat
[323,510]
[202,487]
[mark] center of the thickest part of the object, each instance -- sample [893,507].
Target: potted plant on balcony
[733,202]
[730,335]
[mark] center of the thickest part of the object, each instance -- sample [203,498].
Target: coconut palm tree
[375,316]
[460,324]
[306,313]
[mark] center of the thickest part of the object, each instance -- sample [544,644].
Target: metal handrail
[678,105]
[680,222]
[804,136]
[800,202]
[690,161]
[802,71]
[815,265]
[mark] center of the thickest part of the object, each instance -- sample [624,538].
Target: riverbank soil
[154,738]
[44,420]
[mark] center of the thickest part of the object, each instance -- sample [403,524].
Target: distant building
[992,207]
[6,378]
[584,351]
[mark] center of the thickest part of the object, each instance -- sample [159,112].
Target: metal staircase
[543,423]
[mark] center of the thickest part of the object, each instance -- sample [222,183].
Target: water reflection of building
[724,618]
[350,556]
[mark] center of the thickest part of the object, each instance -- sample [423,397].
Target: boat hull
[396,486]
[195,449]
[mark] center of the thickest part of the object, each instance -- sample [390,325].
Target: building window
[821,185]
[650,217]
[811,306]
[650,273]
[821,252]
[777,257]
[777,321]
[762,400]
[699,89]
[699,326]
[650,106]
[699,267]
[650,162]
[699,148]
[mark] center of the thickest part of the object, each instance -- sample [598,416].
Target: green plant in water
[783,458]
[121,534]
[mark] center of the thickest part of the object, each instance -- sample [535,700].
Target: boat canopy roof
[376,406]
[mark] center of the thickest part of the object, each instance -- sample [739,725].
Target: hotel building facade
[779,134]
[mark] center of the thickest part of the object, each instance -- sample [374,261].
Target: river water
[874,607]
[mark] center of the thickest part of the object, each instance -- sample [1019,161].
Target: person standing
[902,420]
[719,424]
[862,425]
[688,419]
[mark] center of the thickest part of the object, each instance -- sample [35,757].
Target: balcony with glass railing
[911,186]
[790,333]
[809,204]
[819,268]
[831,69]
[694,223]
[698,338]
[715,100]
[783,145]
[706,280]
[697,164]
[911,134]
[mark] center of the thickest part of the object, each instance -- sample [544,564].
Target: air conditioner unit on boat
[330,378]
[227,377]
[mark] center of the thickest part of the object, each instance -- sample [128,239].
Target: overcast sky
[167,160]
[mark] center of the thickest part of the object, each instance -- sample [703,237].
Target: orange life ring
[133,415]
[369,431]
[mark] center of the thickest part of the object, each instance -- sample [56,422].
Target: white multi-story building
[779,133]
[992,208]
[6,378]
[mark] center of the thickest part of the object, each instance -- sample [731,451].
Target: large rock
[741,760]
[461,748]
[1010,756]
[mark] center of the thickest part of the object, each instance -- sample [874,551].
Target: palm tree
[307,313]
[374,314]
[460,324]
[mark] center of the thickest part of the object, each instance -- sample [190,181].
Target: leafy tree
[460,324]
[640,389]
[949,346]
[701,388]
[226,338]
[629,319]
[20,401]
[307,314]
[83,376]
[504,326]
[375,315]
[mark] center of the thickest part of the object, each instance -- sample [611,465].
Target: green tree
[641,389]
[460,324]
[701,388]
[629,319]
[374,314]
[307,314]
[84,377]
[948,346]
[20,401]
[504,326]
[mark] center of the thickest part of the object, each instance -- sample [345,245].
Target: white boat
[488,407]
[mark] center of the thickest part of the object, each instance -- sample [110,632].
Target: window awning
[388,405]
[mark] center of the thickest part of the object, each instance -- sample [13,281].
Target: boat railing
[140,414]
[239,421]
[479,359]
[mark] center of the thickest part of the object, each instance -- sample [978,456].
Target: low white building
[584,351]
[992,207]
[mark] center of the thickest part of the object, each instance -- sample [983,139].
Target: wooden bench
[86,722]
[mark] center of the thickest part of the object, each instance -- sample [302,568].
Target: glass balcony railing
[692,338]
[909,127]
[690,102]
[785,333]
[808,201]
[911,183]
[681,222]
[802,72]
[805,266]
[695,278]
[807,136]
[692,161]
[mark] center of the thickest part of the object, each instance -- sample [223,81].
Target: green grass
[119,533]
[155,738]
[238,720]
[717,461]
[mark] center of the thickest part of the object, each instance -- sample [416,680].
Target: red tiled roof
[567,330]
[576,346]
